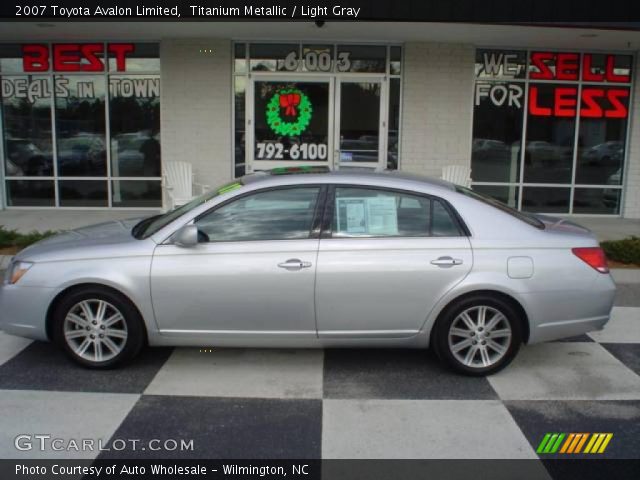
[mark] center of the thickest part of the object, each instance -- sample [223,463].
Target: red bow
[289,101]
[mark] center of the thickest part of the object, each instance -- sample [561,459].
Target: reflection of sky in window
[281,214]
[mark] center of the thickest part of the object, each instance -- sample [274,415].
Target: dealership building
[545,118]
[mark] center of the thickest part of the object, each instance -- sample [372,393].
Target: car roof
[290,175]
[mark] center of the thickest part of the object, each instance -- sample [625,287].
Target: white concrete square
[62,415]
[566,371]
[253,373]
[623,327]
[421,429]
[10,346]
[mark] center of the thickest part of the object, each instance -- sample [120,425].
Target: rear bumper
[560,314]
[23,310]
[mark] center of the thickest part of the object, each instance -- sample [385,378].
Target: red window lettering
[590,107]
[595,102]
[588,75]
[35,58]
[567,66]
[615,96]
[120,50]
[611,74]
[544,72]
[90,51]
[73,57]
[565,101]
[534,108]
[66,57]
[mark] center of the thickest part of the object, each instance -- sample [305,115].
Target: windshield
[151,225]
[525,217]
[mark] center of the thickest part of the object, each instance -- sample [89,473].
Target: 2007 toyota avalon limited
[315,260]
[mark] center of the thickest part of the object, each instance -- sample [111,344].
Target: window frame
[327,220]
[318,212]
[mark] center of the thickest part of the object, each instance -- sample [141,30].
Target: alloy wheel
[480,336]
[95,330]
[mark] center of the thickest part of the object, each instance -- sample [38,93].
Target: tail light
[592,256]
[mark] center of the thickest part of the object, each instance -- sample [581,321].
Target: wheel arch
[522,313]
[79,286]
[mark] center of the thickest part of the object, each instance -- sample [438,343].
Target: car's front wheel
[98,328]
[478,335]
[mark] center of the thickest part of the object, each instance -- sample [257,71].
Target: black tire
[131,322]
[440,335]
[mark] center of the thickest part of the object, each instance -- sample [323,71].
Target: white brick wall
[632,182]
[195,106]
[437,107]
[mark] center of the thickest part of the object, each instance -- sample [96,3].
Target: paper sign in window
[367,216]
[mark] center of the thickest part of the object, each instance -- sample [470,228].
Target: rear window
[522,216]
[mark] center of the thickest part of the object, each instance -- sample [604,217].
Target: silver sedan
[310,259]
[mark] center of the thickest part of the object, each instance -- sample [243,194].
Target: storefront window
[292,120]
[497,132]
[576,109]
[361,58]
[395,60]
[601,140]
[81,85]
[548,155]
[80,125]
[240,58]
[273,57]
[26,106]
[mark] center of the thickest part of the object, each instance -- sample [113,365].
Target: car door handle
[294,264]
[446,262]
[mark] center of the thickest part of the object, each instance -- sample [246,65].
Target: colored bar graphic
[567,443]
[581,443]
[606,441]
[573,443]
[543,443]
[594,437]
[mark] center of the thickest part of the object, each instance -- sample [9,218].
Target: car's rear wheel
[98,328]
[479,335]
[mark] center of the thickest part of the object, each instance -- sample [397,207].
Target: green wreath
[282,127]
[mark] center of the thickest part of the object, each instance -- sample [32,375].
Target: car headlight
[16,271]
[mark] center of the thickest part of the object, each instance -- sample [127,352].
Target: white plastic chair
[179,184]
[458,174]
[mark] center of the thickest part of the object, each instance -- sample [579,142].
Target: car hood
[82,242]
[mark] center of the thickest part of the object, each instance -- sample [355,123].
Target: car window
[281,214]
[442,223]
[363,212]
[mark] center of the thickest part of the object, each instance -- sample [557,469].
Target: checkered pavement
[250,403]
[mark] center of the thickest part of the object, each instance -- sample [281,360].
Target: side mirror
[186,236]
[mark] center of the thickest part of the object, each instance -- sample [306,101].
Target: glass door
[360,126]
[289,121]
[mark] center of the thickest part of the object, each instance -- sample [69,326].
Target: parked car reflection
[82,154]
[135,154]
[604,153]
[25,158]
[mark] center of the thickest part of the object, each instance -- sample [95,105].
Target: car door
[251,274]
[386,258]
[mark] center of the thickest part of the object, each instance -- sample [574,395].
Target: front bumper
[23,310]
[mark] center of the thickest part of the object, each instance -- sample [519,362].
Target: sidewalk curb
[626,275]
